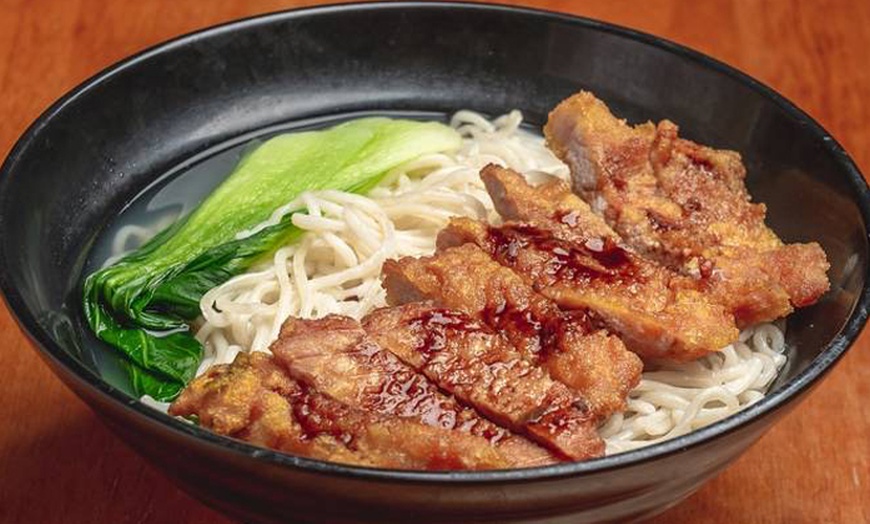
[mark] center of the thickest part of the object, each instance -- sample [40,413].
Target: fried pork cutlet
[569,345]
[645,304]
[687,206]
[553,209]
[254,399]
[335,356]
[481,368]
[551,203]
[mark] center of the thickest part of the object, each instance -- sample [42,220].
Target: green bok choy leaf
[141,305]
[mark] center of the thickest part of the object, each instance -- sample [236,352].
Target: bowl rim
[772,402]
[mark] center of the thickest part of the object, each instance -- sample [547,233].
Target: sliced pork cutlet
[570,345]
[551,203]
[463,356]
[685,205]
[335,356]
[254,399]
[645,304]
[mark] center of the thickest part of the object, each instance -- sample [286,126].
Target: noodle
[335,269]
[336,266]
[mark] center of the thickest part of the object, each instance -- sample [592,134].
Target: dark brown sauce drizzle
[407,394]
[318,417]
[404,393]
[522,326]
[595,259]
[437,326]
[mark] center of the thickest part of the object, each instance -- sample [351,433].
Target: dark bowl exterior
[107,140]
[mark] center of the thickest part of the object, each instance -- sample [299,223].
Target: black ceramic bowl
[90,153]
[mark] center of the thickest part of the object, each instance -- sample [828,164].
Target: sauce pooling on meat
[594,259]
[484,370]
[507,318]
[335,356]
[436,326]
[317,420]
[574,348]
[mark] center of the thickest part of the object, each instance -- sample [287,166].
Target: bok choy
[142,304]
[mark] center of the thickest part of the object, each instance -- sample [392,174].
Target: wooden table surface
[59,464]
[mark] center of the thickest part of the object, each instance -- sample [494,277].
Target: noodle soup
[335,268]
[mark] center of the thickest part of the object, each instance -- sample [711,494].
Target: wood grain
[59,464]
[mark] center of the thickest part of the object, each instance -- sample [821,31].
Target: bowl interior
[91,153]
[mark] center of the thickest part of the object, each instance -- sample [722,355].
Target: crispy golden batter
[570,346]
[254,399]
[685,205]
[551,202]
[335,356]
[483,369]
[644,304]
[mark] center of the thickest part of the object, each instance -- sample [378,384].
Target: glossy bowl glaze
[101,144]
